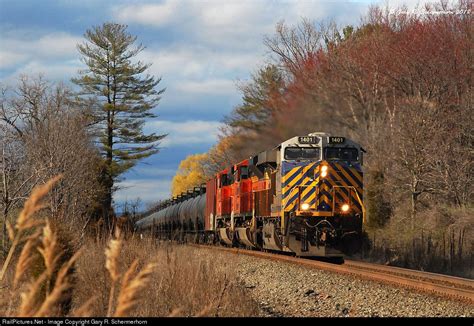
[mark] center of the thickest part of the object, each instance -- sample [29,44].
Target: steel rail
[436,284]
[448,280]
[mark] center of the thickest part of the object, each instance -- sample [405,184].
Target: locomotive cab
[321,187]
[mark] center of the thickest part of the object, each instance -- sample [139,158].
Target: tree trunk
[413,210]
[6,207]
[108,203]
[4,230]
[414,198]
[109,181]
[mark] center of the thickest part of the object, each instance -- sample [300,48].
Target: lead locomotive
[303,196]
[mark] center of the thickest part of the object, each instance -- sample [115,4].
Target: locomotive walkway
[440,285]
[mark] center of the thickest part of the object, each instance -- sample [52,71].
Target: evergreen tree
[125,97]
[256,110]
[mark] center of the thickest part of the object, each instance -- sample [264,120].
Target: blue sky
[201,49]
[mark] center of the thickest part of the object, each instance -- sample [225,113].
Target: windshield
[343,154]
[302,153]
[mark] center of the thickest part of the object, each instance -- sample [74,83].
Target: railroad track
[441,285]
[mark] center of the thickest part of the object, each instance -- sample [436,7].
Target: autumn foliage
[400,83]
[190,174]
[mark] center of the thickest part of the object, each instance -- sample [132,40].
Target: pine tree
[256,112]
[125,97]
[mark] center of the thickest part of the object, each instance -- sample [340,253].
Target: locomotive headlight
[345,208]
[324,171]
[304,206]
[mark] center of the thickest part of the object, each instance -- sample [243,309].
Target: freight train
[304,197]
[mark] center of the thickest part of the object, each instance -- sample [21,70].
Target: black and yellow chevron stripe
[303,181]
[301,175]
[346,180]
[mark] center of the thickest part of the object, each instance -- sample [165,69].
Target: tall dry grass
[43,275]
[186,281]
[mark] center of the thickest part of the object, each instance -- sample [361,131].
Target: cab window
[343,154]
[302,153]
[244,172]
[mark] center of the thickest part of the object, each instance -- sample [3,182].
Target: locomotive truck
[305,197]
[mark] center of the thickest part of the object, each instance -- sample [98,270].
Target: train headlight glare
[304,206]
[324,171]
[345,208]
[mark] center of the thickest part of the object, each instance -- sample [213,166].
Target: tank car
[180,218]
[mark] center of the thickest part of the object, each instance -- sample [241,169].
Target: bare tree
[51,136]
[16,179]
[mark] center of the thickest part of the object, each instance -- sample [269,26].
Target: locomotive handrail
[299,193]
[362,206]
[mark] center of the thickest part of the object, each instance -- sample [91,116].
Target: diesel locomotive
[305,197]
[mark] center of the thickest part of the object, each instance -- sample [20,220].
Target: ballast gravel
[288,290]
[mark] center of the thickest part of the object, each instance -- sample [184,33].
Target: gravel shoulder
[284,289]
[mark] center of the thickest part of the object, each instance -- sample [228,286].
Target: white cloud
[242,24]
[146,190]
[234,24]
[56,45]
[411,5]
[187,60]
[187,132]
[53,55]
[50,46]
[210,87]
[193,73]
[174,61]
[54,71]
[10,58]
[150,14]
[227,24]
[224,14]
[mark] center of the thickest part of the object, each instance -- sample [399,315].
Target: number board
[308,140]
[336,140]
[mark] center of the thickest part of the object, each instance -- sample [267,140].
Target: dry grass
[26,220]
[185,282]
[120,277]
